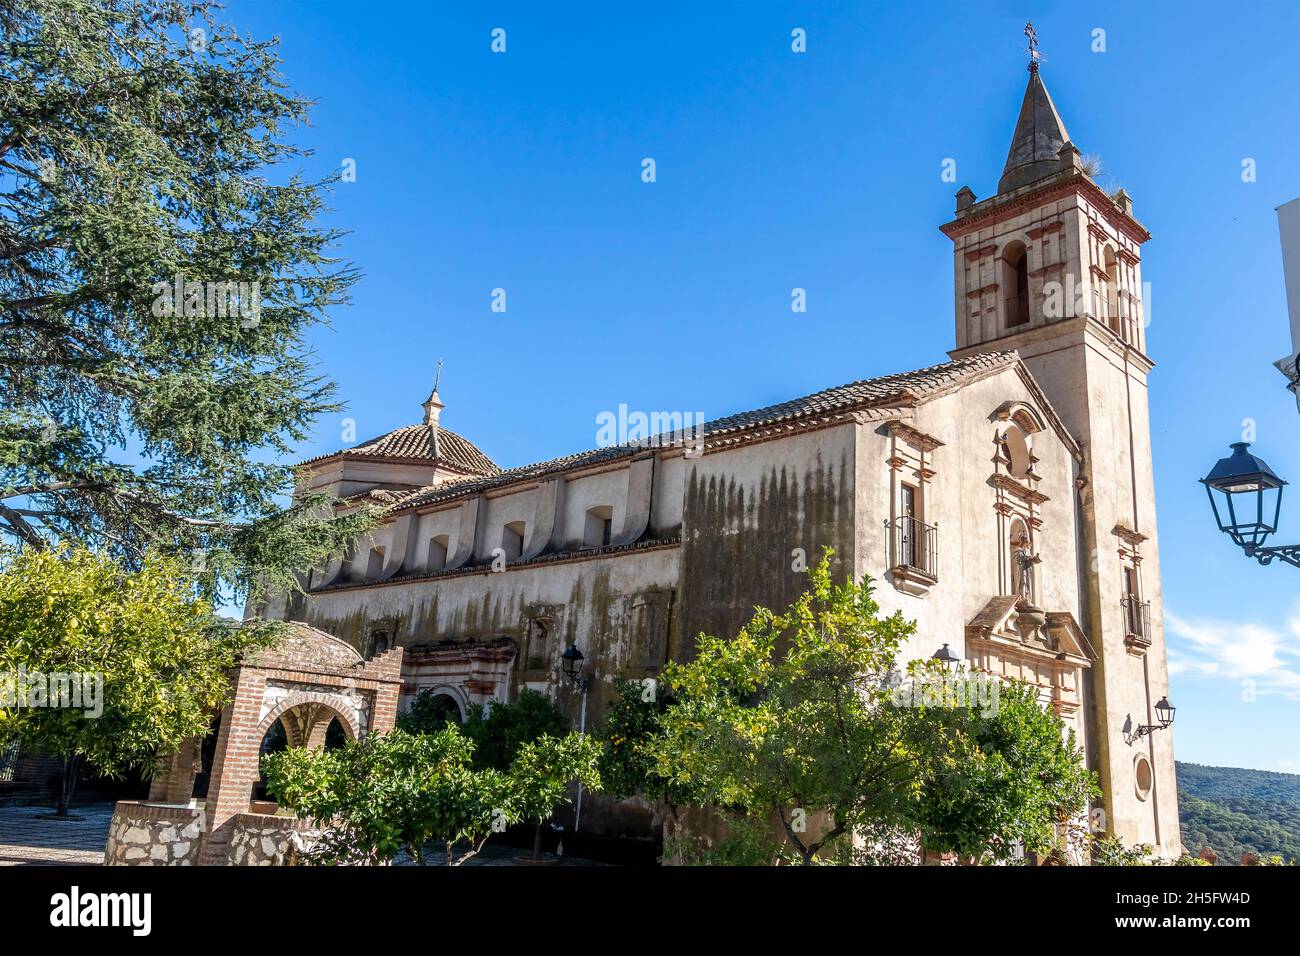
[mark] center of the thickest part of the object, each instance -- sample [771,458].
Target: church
[1003,499]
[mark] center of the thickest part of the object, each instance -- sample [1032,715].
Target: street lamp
[1251,496]
[1164,714]
[947,658]
[571,663]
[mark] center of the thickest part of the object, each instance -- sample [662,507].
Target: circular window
[1142,776]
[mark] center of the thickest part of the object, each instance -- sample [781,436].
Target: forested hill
[1234,810]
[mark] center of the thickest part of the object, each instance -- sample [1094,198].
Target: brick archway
[310,732]
[309,675]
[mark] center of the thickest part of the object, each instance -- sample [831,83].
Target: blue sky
[821,170]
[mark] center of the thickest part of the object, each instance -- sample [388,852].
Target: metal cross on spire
[1034,55]
[437,375]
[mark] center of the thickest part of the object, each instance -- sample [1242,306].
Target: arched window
[1015,284]
[1110,289]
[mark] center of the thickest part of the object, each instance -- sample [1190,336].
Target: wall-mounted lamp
[1164,714]
[1251,496]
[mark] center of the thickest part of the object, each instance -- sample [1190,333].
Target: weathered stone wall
[595,602]
[746,512]
[261,839]
[144,834]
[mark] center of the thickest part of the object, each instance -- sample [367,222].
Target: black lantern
[1251,494]
[572,662]
[947,658]
[1165,712]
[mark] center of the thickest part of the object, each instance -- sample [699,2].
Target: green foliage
[499,737]
[1235,811]
[1108,850]
[390,793]
[633,722]
[141,140]
[162,653]
[428,714]
[747,842]
[808,732]
[1233,826]
[401,791]
[811,743]
[1105,849]
[1001,776]
[542,769]
[1216,783]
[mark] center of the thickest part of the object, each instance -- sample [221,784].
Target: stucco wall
[962,503]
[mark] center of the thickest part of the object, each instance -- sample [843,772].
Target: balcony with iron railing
[1137,621]
[913,553]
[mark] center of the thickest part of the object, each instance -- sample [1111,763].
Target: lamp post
[1164,714]
[947,658]
[1251,496]
[571,663]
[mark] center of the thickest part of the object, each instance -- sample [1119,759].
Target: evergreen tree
[159,268]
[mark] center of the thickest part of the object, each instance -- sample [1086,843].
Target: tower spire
[1040,134]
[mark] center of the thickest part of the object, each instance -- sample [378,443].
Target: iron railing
[1137,619]
[915,545]
[9,761]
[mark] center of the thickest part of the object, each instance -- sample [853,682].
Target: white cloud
[1236,652]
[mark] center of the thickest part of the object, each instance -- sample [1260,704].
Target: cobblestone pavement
[27,840]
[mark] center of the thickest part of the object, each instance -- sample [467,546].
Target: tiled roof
[901,388]
[418,441]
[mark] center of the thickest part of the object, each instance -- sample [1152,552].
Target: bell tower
[1050,266]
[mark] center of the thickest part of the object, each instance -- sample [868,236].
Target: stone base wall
[261,839]
[142,834]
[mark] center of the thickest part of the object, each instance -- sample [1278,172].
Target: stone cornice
[1130,537]
[913,436]
[1013,487]
[995,209]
